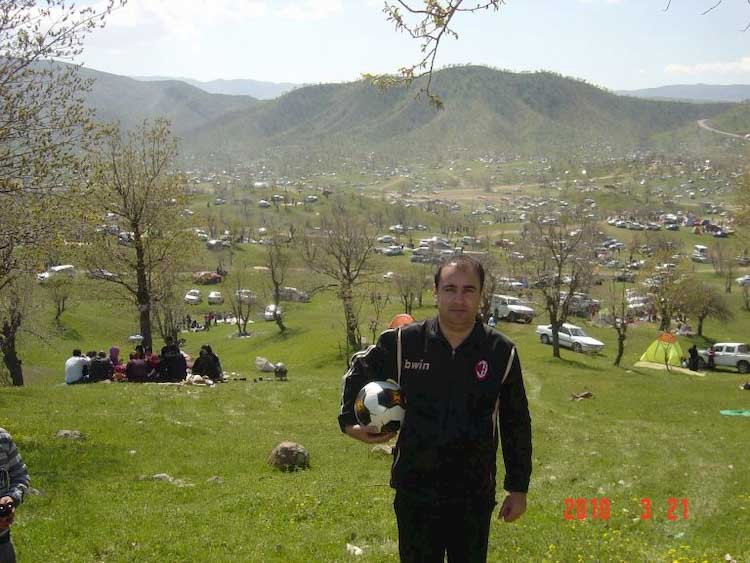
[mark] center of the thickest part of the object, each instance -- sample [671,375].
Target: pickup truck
[728,354]
[510,308]
[570,336]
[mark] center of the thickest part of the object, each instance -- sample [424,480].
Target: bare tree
[722,259]
[618,316]
[379,302]
[491,283]
[242,301]
[59,290]
[408,284]
[427,21]
[558,253]
[132,178]
[341,251]
[278,258]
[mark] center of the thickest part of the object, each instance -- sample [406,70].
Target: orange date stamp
[598,508]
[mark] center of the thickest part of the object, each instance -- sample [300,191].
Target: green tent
[664,350]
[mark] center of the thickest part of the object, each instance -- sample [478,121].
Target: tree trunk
[8,345]
[350,319]
[143,297]
[620,347]
[276,316]
[699,332]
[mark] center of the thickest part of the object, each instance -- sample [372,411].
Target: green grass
[660,434]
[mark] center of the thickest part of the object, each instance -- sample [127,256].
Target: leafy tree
[132,179]
[44,122]
[704,301]
[15,305]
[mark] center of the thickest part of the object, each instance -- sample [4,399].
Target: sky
[616,44]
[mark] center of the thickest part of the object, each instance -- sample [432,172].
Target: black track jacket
[457,403]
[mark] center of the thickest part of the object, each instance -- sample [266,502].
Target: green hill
[130,101]
[485,109]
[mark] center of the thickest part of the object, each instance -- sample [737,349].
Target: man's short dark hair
[462,262]
[102,354]
[76,352]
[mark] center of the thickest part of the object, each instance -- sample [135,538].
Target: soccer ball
[379,407]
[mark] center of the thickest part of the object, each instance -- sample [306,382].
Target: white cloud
[726,67]
[185,17]
[310,9]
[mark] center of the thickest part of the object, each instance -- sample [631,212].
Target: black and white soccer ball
[379,406]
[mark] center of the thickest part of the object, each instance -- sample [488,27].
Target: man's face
[458,296]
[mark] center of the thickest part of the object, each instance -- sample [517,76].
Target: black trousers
[426,532]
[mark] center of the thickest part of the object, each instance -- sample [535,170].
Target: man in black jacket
[463,390]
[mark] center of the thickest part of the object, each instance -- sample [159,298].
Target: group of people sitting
[143,365]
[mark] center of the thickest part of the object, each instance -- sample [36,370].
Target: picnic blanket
[735,413]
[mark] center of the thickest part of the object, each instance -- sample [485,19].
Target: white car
[570,336]
[744,280]
[511,309]
[193,297]
[728,354]
[393,250]
[215,298]
[57,271]
[271,311]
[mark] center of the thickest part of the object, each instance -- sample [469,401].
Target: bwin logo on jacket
[421,365]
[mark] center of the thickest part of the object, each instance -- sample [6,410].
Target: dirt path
[702,123]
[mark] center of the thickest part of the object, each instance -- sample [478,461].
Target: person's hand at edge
[513,507]
[7,520]
[365,434]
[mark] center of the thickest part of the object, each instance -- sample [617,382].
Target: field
[644,434]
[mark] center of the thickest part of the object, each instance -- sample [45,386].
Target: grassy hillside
[645,434]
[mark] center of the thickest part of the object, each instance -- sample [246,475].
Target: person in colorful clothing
[14,482]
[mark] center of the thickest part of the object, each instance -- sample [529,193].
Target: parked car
[245,296]
[101,274]
[728,354]
[393,250]
[743,280]
[570,336]
[270,312]
[193,297]
[207,277]
[581,304]
[215,298]
[511,309]
[57,271]
[293,294]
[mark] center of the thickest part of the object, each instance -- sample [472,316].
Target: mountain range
[236,87]
[694,92]
[484,110]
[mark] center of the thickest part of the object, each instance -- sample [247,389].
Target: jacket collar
[476,337]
